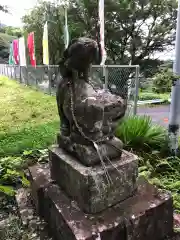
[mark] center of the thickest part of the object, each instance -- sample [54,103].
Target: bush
[140,134]
[148,96]
[163,80]
[151,96]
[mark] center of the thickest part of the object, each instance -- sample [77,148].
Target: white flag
[101,22]
[66,30]
[45,45]
[22,51]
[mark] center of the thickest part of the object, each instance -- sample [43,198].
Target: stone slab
[145,216]
[39,177]
[36,226]
[88,186]
[25,209]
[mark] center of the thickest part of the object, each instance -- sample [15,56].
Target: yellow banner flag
[45,45]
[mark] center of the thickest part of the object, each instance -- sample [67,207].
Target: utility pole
[174,117]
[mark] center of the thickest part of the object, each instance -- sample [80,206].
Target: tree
[4,8]
[134,29]
[13,31]
[4,45]
[162,81]
[35,21]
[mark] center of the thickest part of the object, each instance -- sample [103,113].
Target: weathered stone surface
[145,216]
[88,185]
[39,179]
[88,114]
[95,111]
[25,209]
[87,154]
[37,227]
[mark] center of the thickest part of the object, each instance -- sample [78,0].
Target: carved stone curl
[88,117]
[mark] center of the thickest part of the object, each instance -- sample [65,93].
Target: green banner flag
[11,58]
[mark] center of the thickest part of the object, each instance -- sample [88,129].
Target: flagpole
[174,116]
[103,51]
[66,30]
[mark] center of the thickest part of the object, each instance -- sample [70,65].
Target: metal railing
[122,80]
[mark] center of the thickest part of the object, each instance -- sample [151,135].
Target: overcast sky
[18,8]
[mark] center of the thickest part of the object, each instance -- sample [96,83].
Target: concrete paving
[159,114]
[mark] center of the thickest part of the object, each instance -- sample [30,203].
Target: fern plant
[140,134]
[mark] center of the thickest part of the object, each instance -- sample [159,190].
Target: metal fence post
[50,80]
[14,72]
[11,72]
[20,74]
[27,82]
[105,69]
[136,90]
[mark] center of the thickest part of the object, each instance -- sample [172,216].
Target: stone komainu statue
[79,56]
[88,116]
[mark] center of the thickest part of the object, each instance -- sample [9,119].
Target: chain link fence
[122,80]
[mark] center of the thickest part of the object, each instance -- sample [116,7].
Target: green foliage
[164,173]
[13,31]
[8,190]
[10,175]
[4,45]
[11,169]
[148,96]
[152,96]
[149,67]
[140,134]
[163,81]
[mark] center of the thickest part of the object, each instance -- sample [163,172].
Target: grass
[29,118]
[150,96]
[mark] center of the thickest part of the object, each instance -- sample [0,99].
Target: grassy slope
[28,119]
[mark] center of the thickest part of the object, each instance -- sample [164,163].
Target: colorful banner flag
[16,51]
[66,30]
[22,52]
[101,23]
[45,45]
[11,58]
[31,48]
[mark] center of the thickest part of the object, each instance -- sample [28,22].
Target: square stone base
[89,186]
[148,215]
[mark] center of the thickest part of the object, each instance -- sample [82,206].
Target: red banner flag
[31,48]
[16,51]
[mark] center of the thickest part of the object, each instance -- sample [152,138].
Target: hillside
[4,46]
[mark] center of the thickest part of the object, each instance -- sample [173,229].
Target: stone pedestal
[147,215]
[92,188]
